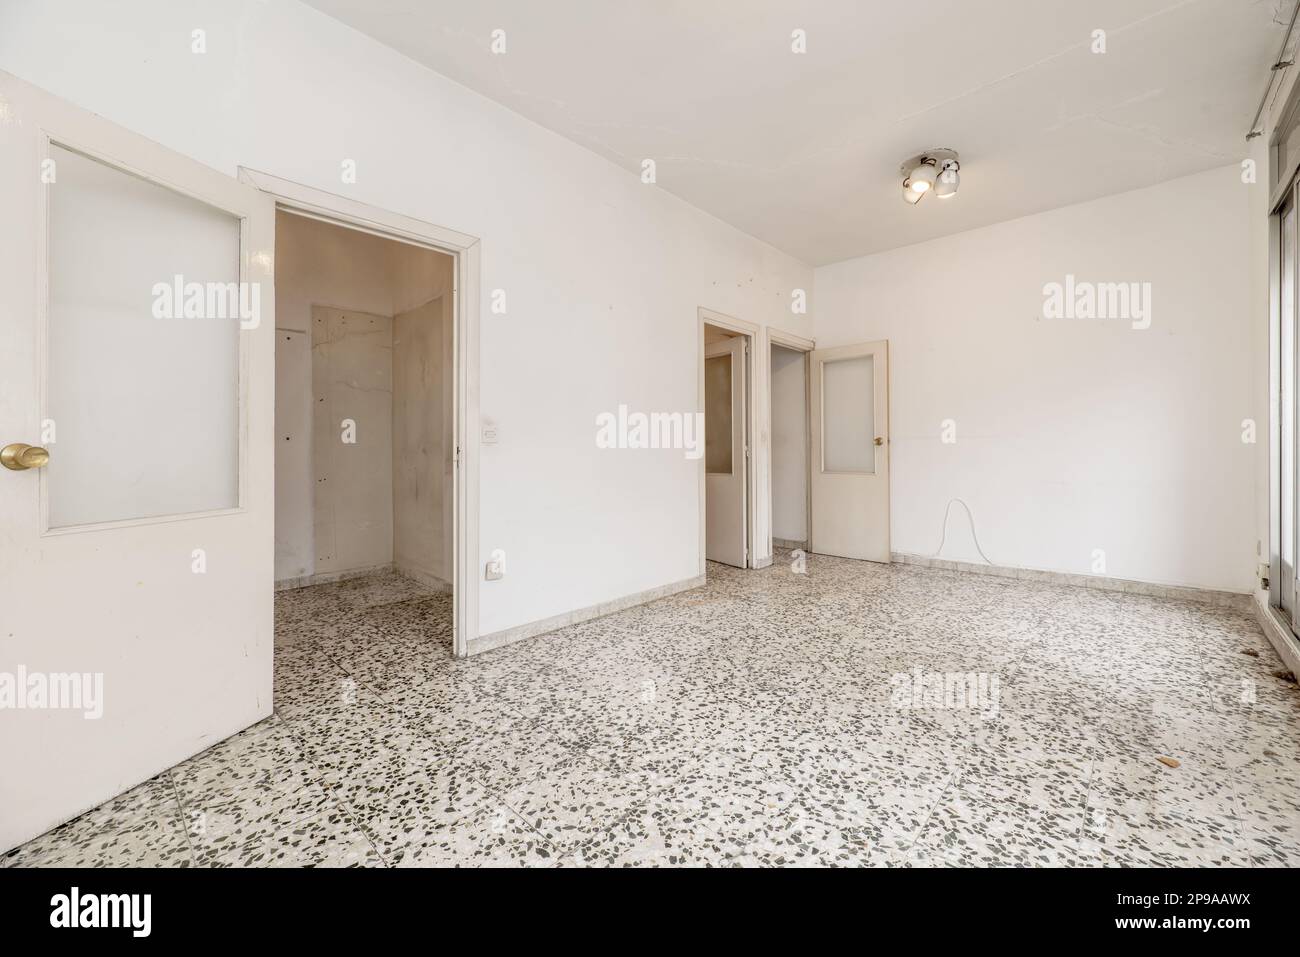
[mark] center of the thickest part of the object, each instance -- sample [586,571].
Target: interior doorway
[791,443]
[417,249]
[726,392]
[364,477]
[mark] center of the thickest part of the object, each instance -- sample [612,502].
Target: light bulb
[922,178]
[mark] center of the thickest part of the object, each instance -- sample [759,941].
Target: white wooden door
[850,451]
[136,349]
[725,451]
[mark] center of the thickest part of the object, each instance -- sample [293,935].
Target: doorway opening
[419,250]
[365,436]
[726,392]
[791,445]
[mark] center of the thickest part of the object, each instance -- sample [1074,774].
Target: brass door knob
[18,456]
[879,440]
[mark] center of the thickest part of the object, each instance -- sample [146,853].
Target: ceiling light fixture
[936,171]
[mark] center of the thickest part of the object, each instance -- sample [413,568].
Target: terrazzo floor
[764,719]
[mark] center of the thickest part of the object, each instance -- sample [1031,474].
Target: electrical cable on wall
[943,536]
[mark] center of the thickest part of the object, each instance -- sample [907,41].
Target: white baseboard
[1229,599]
[509,636]
[1278,633]
[325,578]
[424,578]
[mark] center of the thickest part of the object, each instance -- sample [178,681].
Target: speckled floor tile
[1144,811]
[963,832]
[754,722]
[494,836]
[576,801]
[140,842]
[263,762]
[399,803]
[651,835]
[312,842]
[797,838]
[505,757]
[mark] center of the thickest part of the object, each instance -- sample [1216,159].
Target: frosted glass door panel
[717,415]
[143,387]
[848,415]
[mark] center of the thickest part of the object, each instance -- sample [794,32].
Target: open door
[136,514]
[725,451]
[850,451]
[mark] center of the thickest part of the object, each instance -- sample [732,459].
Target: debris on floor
[1169,762]
[1250,651]
[1284,675]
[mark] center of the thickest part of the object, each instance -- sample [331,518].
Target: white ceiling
[803,150]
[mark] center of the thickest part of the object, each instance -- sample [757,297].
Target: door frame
[788,340]
[710,317]
[465,250]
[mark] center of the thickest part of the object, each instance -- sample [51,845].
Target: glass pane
[848,415]
[717,414]
[1288,400]
[142,382]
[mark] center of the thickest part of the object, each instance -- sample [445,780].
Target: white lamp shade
[947,184]
[922,178]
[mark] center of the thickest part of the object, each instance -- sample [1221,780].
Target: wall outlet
[490,433]
[495,570]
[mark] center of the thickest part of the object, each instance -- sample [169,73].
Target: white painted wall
[319,264]
[1072,435]
[295,555]
[603,273]
[316,264]
[789,445]
[352,440]
[350,524]
[423,436]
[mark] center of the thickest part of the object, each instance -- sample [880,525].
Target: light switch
[489,432]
